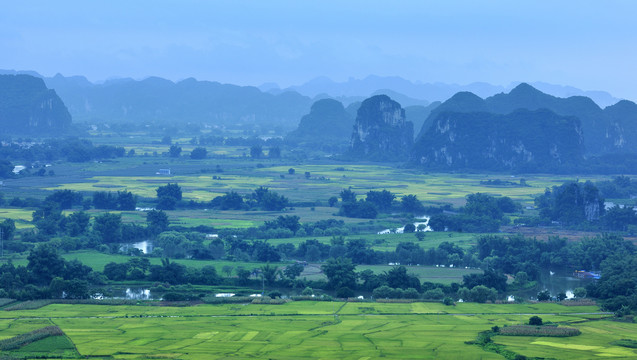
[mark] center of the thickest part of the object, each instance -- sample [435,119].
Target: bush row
[529,330]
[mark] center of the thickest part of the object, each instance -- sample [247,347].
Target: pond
[127,293]
[555,281]
[400,230]
[146,246]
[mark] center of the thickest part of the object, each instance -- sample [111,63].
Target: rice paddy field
[317,330]
[324,181]
[227,169]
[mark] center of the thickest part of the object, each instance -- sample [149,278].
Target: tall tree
[340,273]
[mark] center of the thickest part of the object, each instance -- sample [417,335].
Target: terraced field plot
[312,330]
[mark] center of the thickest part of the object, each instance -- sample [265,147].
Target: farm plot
[300,330]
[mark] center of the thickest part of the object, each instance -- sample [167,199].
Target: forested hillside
[28,107]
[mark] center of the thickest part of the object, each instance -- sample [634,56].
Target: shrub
[527,330]
[535,320]
[344,292]
[307,291]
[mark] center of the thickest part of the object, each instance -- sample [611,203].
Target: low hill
[381,131]
[610,130]
[523,140]
[327,121]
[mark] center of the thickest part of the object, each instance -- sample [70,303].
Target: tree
[209,275]
[269,273]
[170,190]
[115,271]
[291,171]
[480,204]
[619,218]
[6,169]
[243,275]
[198,153]
[48,218]
[381,199]
[332,201]
[535,320]
[544,295]
[77,223]
[358,209]
[410,203]
[105,200]
[397,277]
[171,273]
[571,203]
[108,227]
[173,244]
[340,273]
[231,201]
[293,271]
[269,200]
[167,203]
[489,279]
[157,221]
[482,293]
[347,195]
[7,229]
[579,293]
[45,264]
[521,278]
[256,151]
[65,198]
[126,200]
[409,228]
[290,222]
[175,151]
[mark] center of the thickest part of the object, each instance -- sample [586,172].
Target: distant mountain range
[525,128]
[156,99]
[423,93]
[188,101]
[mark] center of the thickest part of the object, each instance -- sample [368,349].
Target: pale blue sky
[587,44]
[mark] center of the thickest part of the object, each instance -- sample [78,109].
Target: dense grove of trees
[48,275]
[72,149]
[482,213]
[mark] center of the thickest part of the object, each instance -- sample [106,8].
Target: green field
[427,273]
[318,330]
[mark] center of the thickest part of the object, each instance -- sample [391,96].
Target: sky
[591,45]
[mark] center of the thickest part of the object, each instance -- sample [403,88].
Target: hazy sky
[587,44]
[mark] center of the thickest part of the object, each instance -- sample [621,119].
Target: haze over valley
[300,180]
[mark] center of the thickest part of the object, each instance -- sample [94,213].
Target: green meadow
[317,330]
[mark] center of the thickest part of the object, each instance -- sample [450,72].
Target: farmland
[297,329]
[317,330]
